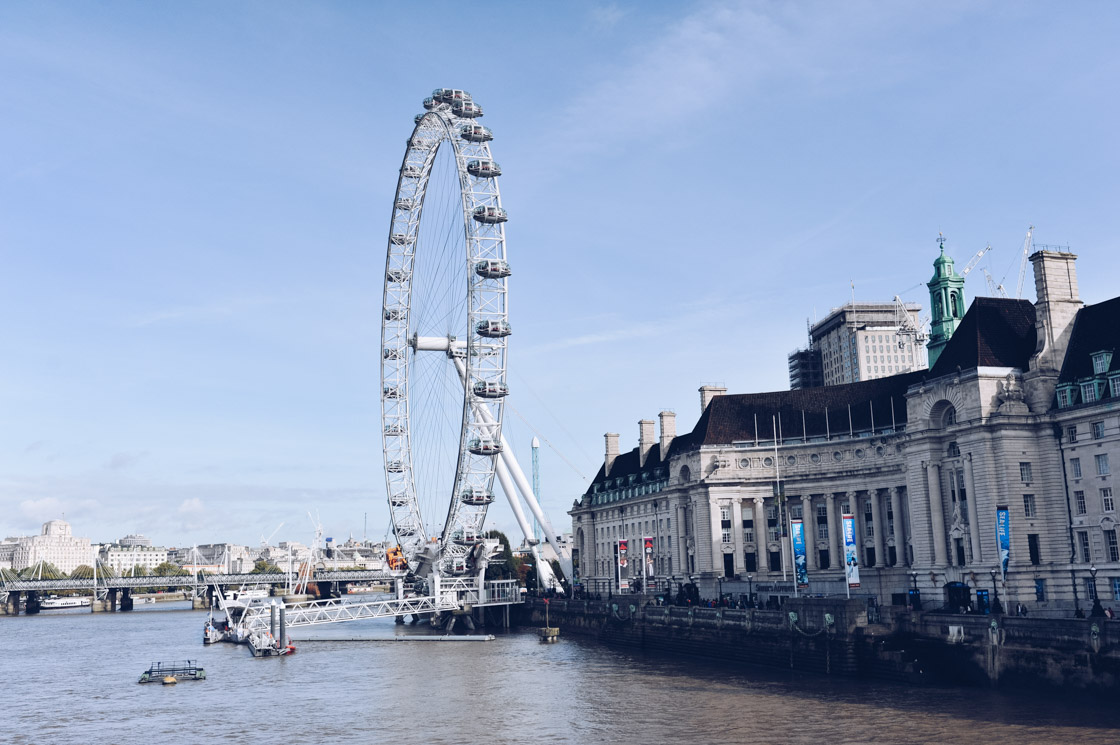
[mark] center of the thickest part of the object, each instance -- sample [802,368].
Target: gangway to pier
[448,595]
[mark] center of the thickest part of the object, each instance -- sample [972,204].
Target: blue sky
[195,197]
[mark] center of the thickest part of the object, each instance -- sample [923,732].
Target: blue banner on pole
[800,568]
[1003,537]
[851,560]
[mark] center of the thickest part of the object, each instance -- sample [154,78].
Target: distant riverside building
[130,552]
[860,341]
[1017,425]
[55,545]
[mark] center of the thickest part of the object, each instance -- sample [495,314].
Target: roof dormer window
[1065,396]
[1101,362]
[1089,392]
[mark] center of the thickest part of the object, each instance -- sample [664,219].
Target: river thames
[70,677]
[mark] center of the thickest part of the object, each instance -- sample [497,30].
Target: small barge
[159,672]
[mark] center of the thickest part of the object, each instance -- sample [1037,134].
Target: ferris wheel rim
[480,359]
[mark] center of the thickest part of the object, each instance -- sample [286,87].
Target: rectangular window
[1114,385]
[1079,502]
[1088,392]
[1100,363]
[822,531]
[1040,590]
[1025,473]
[1102,464]
[1116,588]
[1083,543]
[1090,588]
[1071,434]
[870,529]
[1098,430]
[1075,467]
[1063,398]
[1111,545]
[1032,546]
[795,512]
[1107,504]
[1028,505]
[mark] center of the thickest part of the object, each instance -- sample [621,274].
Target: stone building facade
[925,461]
[54,545]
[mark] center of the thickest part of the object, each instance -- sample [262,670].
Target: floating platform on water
[404,638]
[159,672]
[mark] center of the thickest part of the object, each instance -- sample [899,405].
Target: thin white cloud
[203,312]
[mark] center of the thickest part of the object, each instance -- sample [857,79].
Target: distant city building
[226,558]
[805,368]
[858,341]
[55,545]
[123,558]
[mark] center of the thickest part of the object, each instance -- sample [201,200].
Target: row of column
[836,535]
[941,555]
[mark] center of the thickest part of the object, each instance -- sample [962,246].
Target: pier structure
[115,593]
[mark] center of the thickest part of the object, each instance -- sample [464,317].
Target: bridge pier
[126,599]
[11,604]
[34,603]
[107,605]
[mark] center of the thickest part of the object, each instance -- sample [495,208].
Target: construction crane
[994,290]
[975,260]
[906,325]
[1023,262]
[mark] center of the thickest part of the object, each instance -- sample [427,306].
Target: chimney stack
[646,439]
[611,453]
[1055,308]
[668,431]
[707,393]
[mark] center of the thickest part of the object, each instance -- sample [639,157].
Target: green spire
[946,302]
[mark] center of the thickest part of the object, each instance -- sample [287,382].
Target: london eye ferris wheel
[443,335]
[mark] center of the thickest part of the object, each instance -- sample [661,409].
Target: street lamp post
[750,589]
[720,581]
[1093,587]
[915,599]
[996,606]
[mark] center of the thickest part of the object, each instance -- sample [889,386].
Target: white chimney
[668,431]
[611,453]
[707,393]
[646,438]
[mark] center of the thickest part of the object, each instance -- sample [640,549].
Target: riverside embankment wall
[834,637]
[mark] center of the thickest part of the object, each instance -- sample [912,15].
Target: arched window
[954,450]
[686,473]
[942,414]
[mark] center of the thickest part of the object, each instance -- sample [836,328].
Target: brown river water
[70,677]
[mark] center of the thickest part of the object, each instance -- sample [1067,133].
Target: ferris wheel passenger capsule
[391,391]
[465,538]
[450,95]
[476,497]
[398,500]
[484,446]
[394,466]
[476,133]
[394,314]
[493,329]
[483,168]
[492,269]
[394,429]
[391,353]
[406,203]
[490,389]
[467,109]
[397,276]
[430,103]
[417,118]
[400,239]
[410,171]
[490,215]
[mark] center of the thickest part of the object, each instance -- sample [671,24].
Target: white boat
[68,602]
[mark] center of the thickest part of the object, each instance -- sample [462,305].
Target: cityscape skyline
[194,224]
